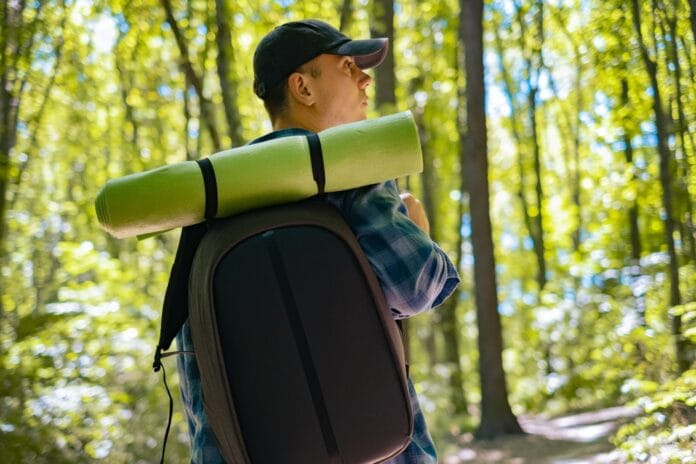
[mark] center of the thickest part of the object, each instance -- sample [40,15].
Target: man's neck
[303,121]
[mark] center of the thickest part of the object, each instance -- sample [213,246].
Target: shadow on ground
[574,439]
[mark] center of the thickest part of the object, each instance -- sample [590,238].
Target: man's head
[311,75]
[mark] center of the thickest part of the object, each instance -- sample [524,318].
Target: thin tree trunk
[9,103]
[538,189]
[682,345]
[533,68]
[692,3]
[36,120]
[429,202]
[346,15]
[634,230]
[689,241]
[207,110]
[450,326]
[496,415]
[228,85]
[382,25]
[571,127]
[516,134]
[16,48]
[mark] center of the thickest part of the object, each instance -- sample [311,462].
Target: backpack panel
[300,359]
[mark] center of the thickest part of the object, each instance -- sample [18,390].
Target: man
[310,77]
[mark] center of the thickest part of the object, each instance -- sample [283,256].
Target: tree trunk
[634,230]
[516,133]
[689,236]
[429,202]
[682,345]
[539,194]
[9,103]
[16,48]
[228,85]
[533,68]
[533,73]
[382,25]
[450,326]
[207,110]
[692,3]
[496,415]
[346,15]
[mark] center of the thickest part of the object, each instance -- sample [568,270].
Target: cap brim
[368,53]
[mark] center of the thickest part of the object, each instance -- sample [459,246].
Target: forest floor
[570,439]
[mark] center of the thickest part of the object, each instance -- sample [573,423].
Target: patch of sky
[586,117]
[466,226]
[104,33]
[602,105]
[121,23]
[132,339]
[62,400]
[528,243]
[99,449]
[165,91]
[509,241]
[74,307]
[618,145]
[648,140]
[599,43]
[506,309]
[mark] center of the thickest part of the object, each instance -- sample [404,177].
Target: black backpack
[300,358]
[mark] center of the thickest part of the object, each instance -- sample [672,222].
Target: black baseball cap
[290,45]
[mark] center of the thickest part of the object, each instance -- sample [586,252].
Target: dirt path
[576,439]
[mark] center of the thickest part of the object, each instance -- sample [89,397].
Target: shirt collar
[281,133]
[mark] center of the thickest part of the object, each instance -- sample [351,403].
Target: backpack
[299,356]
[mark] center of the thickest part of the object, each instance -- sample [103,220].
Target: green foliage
[105,95]
[664,431]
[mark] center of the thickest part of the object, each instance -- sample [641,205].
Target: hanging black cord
[156,366]
[171,411]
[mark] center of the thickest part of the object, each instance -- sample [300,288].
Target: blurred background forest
[591,115]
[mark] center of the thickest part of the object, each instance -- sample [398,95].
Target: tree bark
[228,85]
[429,202]
[516,133]
[533,68]
[382,25]
[634,230]
[496,415]
[16,48]
[346,15]
[207,110]
[9,103]
[450,326]
[689,236]
[692,3]
[682,345]
[36,120]
[628,152]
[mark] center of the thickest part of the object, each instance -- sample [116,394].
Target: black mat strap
[317,157]
[303,348]
[210,183]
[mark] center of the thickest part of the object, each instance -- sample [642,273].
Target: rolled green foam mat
[263,174]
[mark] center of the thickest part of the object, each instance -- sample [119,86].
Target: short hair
[276,99]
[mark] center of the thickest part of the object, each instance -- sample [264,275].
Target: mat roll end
[100,205]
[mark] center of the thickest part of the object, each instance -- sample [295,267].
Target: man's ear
[300,88]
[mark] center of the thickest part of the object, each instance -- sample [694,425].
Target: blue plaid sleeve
[414,273]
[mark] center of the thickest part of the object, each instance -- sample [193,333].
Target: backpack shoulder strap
[175,305]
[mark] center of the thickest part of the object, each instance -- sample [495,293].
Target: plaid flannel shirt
[415,276]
